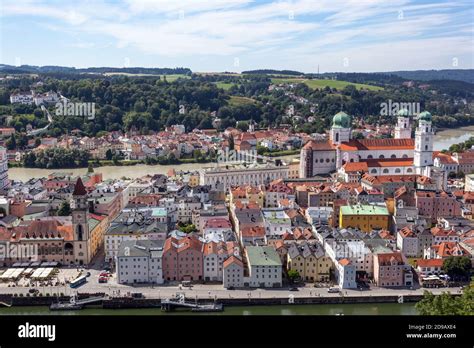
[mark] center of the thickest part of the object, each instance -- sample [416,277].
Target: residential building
[233,275]
[265,268]
[140,261]
[364,217]
[391,270]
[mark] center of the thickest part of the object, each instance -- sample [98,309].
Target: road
[216,291]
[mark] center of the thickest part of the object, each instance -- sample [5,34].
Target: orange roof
[318,145]
[232,260]
[390,162]
[385,258]
[355,167]
[406,232]
[441,232]
[378,144]
[429,262]
[447,249]
[344,262]
[255,231]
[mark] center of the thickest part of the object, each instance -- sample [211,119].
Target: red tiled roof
[429,262]
[378,144]
[318,145]
[390,162]
[355,167]
[232,260]
[249,232]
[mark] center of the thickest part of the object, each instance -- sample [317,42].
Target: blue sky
[237,35]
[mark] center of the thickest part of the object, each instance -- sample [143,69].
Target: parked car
[103,280]
[334,289]
[33,291]
[294,289]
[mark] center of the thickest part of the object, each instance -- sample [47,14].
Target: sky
[239,35]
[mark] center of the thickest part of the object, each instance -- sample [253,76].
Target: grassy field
[169,78]
[224,85]
[234,100]
[315,83]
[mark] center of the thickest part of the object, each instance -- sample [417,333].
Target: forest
[149,103]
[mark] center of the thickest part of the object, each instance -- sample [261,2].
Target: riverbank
[311,306]
[323,309]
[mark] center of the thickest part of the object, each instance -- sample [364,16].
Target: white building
[214,255]
[237,175]
[130,228]
[469,186]
[4,182]
[424,136]
[265,268]
[140,261]
[22,98]
[233,273]
[217,230]
[407,242]
[403,127]
[277,223]
[346,274]
[316,215]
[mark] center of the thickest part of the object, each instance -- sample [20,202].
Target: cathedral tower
[403,128]
[80,223]
[424,136]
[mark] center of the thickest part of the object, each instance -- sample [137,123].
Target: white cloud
[323,30]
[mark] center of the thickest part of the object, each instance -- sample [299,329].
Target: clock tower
[79,224]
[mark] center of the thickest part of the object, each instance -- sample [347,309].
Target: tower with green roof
[403,128]
[424,136]
[341,128]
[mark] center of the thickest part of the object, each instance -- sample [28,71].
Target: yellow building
[249,193]
[364,217]
[310,261]
[98,225]
[194,179]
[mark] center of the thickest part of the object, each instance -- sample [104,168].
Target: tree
[187,228]
[64,209]
[457,267]
[11,143]
[447,304]
[109,154]
[90,168]
[293,275]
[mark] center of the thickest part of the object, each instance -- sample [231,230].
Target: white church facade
[401,155]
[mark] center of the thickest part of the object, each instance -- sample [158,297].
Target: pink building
[183,259]
[437,204]
[390,270]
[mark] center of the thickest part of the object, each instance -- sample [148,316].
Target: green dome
[341,120]
[424,116]
[403,112]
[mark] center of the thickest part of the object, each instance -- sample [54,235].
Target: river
[113,172]
[447,137]
[321,309]
[443,139]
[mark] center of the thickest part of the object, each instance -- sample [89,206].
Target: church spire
[79,189]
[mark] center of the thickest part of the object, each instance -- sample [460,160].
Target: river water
[321,309]
[443,139]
